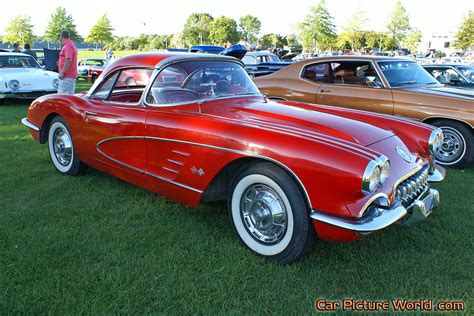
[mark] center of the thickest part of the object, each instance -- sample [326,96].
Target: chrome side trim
[175,162]
[28,124]
[140,170]
[180,153]
[249,154]
[170,170]
[370,224]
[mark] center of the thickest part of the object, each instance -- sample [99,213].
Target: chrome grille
[411,188]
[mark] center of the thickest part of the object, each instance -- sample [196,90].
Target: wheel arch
[45,127]
[433,119]
[219,186]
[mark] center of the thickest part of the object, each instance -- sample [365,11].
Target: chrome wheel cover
[263,213]
[453,147]
[62,146]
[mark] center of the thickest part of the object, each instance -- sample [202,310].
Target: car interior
[359,73]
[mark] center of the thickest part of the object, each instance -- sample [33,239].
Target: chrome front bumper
[379,217]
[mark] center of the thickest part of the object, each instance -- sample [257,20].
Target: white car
[22,77]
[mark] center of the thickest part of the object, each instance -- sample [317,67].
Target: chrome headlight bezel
[384,164]
[435,140]
[371,177]
[14,85]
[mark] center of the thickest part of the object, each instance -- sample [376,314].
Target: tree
[318,30]
[61,20]
[19,30]
[197,28]
[273,41]
[398,24]
[224,30]
[101,32]
[249,28]
[413,40]
[465,35]
[353,28]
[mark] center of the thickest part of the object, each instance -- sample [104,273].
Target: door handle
[323,91]
[90,113]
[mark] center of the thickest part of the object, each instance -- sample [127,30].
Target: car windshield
[406,73]
[468,72]
[15,61]
[198,80]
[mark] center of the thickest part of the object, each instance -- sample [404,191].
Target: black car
[458,75]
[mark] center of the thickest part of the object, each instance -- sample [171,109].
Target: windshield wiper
[408,82]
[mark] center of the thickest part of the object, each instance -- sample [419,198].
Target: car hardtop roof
[156,60]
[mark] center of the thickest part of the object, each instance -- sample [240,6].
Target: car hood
[443,91]
[289,118]
[25,73]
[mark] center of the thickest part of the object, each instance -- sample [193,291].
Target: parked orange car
[386,85]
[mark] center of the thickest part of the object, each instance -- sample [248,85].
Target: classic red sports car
[199,131]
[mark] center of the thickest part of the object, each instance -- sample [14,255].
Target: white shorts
[67,86]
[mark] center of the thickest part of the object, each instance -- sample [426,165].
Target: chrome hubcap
[452,147]
[263,213]
[62,146]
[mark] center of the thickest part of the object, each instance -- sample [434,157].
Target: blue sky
[165,17]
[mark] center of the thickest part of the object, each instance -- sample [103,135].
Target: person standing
[67,65]
[28,51]
[16,48]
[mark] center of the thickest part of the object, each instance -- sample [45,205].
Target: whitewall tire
[61,148]
[269,214]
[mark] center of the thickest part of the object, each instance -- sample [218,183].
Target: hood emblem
[403,153]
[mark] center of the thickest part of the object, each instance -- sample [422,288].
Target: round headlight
[55,83]
[435,140]
[14,85]
[384,164]
[371,177]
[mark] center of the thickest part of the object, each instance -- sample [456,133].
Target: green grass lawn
[95,244]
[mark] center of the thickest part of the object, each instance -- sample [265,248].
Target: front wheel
[456,149]
[269,214]
[61,148]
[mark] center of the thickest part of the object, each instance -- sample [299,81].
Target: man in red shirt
[67,65]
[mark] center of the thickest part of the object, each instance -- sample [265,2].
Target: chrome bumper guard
[378,218]
[28,124]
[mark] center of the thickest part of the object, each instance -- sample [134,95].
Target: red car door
[114,122]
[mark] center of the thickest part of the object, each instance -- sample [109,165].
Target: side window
[317,73]
[133,78]
[103,91]
[124,86]
[249,60]
[356,73]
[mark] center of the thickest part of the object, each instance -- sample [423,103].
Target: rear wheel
[456,149]
[61,148]
[269,214]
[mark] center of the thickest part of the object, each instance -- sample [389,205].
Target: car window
[124,86]
[468,71]
[192,81]
[104,89]
[249,60]
[15,61]
[405,73]
[359,73]
[446,75]
[317,73]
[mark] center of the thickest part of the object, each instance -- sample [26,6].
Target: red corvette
[196,129]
